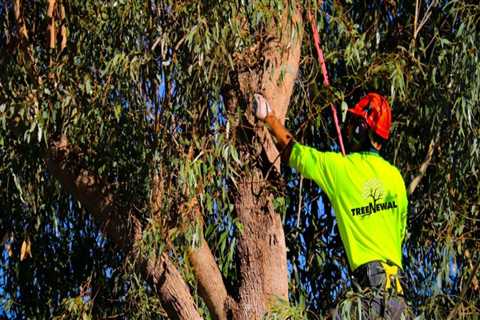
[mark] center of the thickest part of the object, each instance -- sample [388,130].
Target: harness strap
[391,275]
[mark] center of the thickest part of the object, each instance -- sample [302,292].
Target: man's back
[369,198]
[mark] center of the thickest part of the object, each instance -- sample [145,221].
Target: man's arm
[283,136]
[264,112]
[310,163]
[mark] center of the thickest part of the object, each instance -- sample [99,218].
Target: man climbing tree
[367,193]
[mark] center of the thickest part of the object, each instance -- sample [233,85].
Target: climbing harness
[391,275]
[380,275]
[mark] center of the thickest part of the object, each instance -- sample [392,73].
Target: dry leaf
[6,237]
[8,247]
[475,284]
[25,251]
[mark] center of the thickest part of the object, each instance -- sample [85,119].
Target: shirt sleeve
[404,208]
[316,165]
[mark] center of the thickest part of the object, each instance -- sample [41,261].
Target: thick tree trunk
[262,250]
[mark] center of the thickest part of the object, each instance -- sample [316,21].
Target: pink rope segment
[326,82]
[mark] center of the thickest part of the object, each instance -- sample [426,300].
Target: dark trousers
[376,302]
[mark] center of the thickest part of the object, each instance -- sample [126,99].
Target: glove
[261,107]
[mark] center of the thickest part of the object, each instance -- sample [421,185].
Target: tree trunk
[262,250]
[261,247]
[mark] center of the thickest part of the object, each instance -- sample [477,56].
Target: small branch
[17,7]
[424,20]
[63,31]
[415,21]
[51,26]
[423,168]
[300,200]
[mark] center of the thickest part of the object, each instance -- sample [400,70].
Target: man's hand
[261,107]
[264,112]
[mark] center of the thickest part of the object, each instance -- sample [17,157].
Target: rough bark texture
[261,249]
[210,282]
[124,230]
[172,289]
[278,79]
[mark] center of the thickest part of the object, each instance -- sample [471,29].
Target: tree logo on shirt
[373,189]
[374,192]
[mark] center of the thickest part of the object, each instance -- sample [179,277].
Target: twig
[427,15]
[453,313]
[423,168]
[415,21]
[300,200]
[470,279]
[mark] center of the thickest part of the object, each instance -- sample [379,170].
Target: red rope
[326,82]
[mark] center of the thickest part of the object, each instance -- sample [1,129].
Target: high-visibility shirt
[368,196]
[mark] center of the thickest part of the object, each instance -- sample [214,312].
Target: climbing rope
[326,82]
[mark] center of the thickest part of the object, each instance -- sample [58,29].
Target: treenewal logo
[373,189]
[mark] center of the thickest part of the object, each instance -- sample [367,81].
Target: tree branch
[172,289]
[210,281]
[22,28]
[423,168]
[211,286]
[124,229]
[51,25]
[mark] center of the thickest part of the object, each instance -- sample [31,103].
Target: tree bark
[172,289]
[124,230]
[210,281]
[22,28]
[261,248]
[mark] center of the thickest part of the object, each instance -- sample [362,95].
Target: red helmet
[376,112]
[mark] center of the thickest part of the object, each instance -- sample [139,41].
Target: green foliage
[282,310]
[139,90]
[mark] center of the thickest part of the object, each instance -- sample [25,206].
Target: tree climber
[368,196]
